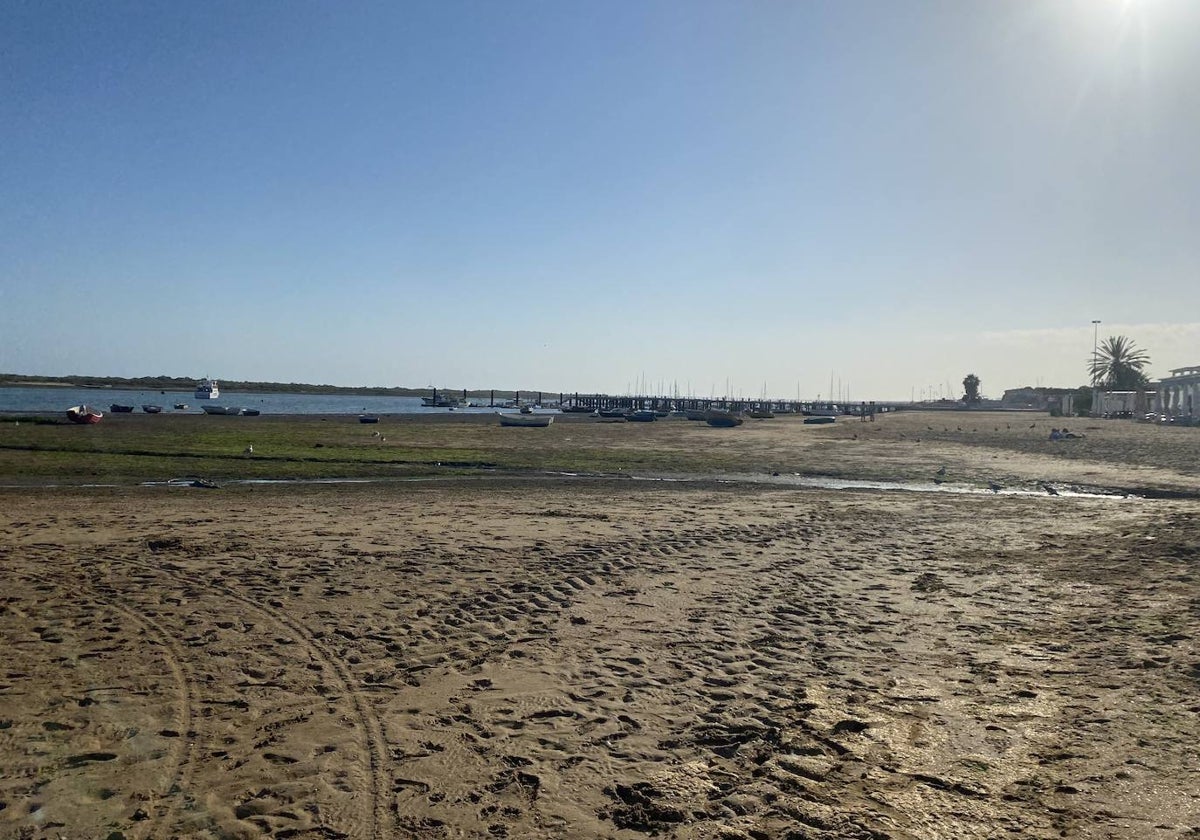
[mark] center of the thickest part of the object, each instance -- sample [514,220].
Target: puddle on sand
[784,479]
[813,482]
[827,483]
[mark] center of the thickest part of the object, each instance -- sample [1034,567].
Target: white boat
[221,409]
[207,390]
[824,410]
[527,420]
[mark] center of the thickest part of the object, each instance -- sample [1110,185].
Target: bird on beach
[994,487]
[939,481]
[249,450]
[1049,489]
[942,471]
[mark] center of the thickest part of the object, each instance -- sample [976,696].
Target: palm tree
[971,387]
[1119,365]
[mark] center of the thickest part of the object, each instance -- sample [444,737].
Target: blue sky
[582,196]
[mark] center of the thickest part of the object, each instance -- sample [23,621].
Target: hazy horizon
[589,195]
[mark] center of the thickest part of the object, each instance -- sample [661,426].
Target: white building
[1179,393]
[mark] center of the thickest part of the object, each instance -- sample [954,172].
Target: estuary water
[53,400]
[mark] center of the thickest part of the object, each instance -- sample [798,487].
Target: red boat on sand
[84,414]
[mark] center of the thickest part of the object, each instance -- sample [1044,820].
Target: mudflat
[538,656]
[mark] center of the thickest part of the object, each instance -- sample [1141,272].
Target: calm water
[54,400]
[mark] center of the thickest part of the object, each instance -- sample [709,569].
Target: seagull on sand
[939,481]
[994,487]
[942,471]
[1049,489]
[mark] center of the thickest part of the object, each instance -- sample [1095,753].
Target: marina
[33,399]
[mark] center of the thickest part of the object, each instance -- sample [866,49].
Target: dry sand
[546,658]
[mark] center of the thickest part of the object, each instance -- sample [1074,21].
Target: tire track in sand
[185,754]
[376,747]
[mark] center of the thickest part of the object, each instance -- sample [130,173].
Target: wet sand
[600,658]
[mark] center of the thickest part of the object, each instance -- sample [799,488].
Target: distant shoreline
[186,387]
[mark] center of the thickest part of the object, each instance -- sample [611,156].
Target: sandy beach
[538,656]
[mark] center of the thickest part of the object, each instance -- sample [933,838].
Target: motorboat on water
[442,400]
[207,390]
[84,414]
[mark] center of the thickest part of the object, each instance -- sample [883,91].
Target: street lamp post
[1095,373]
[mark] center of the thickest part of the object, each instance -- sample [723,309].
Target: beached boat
[181,406]
[641,416]
[532,421]
[116,408]
[152,409]
[366,418]
[207,390]
[221,409]
[722,419]
[250,412]
[84,414]
[760,414]
[612,412]
[819,420]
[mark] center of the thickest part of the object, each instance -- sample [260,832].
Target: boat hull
[529,421]
[84,415]
[722,419]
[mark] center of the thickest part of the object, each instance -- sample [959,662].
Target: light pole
[1095,412]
